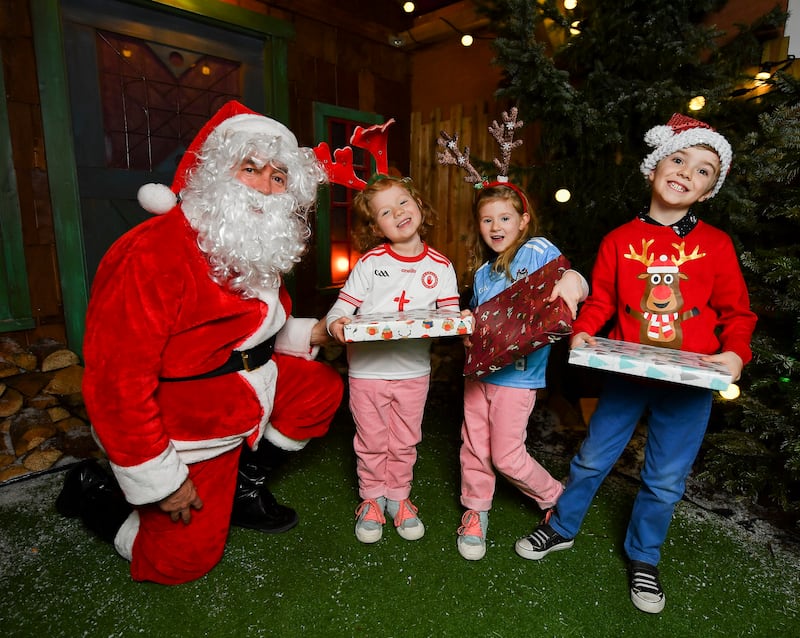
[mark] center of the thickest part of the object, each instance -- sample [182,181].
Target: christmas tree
[594,79]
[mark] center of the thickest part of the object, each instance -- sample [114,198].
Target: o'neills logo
[429,279]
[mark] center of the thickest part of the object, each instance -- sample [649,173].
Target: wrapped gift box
[652,362]
[518,321]
[412,324]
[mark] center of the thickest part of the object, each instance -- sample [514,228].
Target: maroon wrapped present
[518,321]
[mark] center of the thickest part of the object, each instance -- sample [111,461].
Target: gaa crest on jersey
[430,279]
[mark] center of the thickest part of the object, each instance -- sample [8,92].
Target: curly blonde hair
[477,250]
[365,234]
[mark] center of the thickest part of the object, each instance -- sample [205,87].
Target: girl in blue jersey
[497,407]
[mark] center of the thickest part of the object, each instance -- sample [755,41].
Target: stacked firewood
[43,421]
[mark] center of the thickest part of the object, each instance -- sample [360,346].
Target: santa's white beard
[250,239]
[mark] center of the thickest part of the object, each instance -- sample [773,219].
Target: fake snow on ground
[554,434]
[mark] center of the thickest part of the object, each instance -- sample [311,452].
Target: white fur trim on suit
[295,338]
[263,381]
[282,441]
[123,541]
[153,480]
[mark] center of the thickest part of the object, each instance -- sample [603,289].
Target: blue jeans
[676,423]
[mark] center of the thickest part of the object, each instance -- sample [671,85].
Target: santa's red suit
[156,314]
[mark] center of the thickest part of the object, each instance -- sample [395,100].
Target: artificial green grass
[318,580]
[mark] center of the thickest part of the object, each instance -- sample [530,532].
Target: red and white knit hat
[682,132]
[233,116]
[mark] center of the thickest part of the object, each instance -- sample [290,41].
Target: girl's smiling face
[396,215]
[500,225]
[685,177]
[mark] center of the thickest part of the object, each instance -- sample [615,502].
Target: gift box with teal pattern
[651,362]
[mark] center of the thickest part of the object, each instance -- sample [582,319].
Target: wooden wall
[444,186]
[30,166]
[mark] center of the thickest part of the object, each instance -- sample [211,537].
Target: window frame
[15,300]
[323,114]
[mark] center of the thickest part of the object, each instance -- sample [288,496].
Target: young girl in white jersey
[389,380]
[497,408]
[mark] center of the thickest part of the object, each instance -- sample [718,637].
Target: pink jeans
[493,436]
[388,417]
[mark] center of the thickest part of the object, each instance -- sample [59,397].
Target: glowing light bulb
[562,195]
[409,7]
[731,392]
[574,28]
[342,265]
[697,103]
[569,5]
[466,40]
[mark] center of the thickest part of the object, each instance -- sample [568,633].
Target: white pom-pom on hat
[657,135]
[156,198]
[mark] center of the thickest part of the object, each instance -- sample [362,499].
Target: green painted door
[141,84]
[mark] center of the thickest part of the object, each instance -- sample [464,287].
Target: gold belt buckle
[246,361]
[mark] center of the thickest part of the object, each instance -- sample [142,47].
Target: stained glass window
[155,98]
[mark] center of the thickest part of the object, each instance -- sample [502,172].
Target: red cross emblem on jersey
[401,301]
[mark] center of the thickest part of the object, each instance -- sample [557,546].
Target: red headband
[513,187]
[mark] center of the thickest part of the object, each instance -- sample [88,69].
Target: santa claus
[191,351]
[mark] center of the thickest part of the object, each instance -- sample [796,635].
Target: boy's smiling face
[685,177]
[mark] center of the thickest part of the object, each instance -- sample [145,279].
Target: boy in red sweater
[670,280]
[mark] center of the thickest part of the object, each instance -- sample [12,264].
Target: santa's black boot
[92,493]
[254,506]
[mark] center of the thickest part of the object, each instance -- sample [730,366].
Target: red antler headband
[504,134]
[340,171]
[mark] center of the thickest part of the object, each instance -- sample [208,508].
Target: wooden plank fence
[444,186]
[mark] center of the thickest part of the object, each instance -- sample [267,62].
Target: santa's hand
[319,334]
[179,504]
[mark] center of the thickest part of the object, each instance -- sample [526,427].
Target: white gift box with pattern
[413,324]
[652,362]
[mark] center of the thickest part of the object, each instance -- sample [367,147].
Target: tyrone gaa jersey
[383,281]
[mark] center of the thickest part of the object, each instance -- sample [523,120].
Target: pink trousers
[493,437]
[388,418]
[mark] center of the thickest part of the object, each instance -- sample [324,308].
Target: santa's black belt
[239,360]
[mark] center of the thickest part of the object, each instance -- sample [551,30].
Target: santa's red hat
[682,131]
[233,116]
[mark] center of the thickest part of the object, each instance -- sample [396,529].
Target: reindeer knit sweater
[661,289]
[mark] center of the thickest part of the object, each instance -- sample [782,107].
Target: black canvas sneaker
[646,592]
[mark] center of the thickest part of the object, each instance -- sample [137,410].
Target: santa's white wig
[250,239]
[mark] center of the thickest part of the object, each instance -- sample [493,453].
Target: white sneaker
[406,520]
[471,540]
[370,520]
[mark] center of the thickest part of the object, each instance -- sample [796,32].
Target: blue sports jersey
[529,371]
